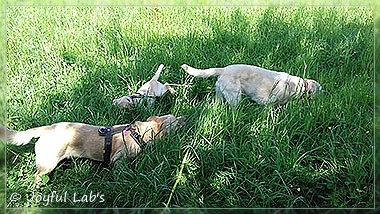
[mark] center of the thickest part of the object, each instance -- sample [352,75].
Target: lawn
[69,63]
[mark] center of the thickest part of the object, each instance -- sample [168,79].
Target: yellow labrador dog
[262,85]
[64,140]
[149,91]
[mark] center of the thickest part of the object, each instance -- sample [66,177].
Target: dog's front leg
[170,89]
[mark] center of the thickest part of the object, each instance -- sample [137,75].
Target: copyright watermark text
[58,197]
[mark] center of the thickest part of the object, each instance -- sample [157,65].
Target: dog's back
[241,71]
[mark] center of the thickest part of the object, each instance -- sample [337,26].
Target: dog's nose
[181,120]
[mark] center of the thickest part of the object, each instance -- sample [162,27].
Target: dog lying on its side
[64,140]
[149,91]
[262,85]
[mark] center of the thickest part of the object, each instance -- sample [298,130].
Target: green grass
[377,99]
[68,64]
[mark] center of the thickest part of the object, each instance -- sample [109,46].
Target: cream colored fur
[151,89]
[64,140]
[262,85]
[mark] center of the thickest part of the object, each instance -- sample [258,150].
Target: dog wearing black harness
[109,131]
[65,139]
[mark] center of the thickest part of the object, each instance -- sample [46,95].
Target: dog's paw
[170,89]
[185,67]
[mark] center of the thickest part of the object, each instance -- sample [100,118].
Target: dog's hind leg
[232,97]
[218,90]
[47,157]
[43,169]
[231,92]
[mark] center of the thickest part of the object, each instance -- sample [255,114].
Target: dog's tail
[158,72]
[202,73]
[21,137]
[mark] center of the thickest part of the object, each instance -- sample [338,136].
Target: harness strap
[108,132]
[139,95]
[135,135]
[107,146]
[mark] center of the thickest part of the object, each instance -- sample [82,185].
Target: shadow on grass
[272,43]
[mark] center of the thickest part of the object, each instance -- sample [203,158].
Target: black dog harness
[139,96]
[108,132]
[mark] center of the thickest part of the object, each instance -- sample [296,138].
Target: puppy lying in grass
[64,140]
[262,85]
[149,91]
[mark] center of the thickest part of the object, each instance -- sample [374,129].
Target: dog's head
[167,123]
[313,87]
[158,126]
[128,102]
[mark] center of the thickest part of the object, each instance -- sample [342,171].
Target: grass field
[68,64]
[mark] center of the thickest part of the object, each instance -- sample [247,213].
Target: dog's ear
[291,87]
[152,118]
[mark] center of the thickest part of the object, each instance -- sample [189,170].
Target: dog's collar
[305,90]
[108,132]
[306,84]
